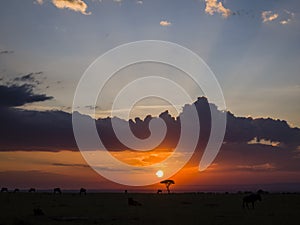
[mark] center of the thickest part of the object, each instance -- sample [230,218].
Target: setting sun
[160,173]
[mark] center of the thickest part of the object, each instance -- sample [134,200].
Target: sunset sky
[252,47]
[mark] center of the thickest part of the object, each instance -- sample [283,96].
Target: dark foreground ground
[173,209]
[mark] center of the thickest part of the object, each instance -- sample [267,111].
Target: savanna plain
[155,209]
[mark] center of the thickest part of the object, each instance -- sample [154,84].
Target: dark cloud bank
[52,130]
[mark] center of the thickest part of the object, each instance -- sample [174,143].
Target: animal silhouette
[82,191]
[159,191]
[252,198]
[57,191]
[4,189]
[132,202]
[16,190]
[32,190]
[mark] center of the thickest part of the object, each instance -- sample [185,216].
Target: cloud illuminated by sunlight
[165,23]
[213,6]
[259,167]
[288,19]
[75,5]
[268,16]
[40,2]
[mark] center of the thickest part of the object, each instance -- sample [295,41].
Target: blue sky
[253,51]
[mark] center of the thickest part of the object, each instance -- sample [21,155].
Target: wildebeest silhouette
[16,190]
[159,191]
[32,190]
[4,189]
[125,191]
[82,191]
[251,199]
[132,202]
[57,191]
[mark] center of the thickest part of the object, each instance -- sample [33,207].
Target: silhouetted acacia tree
[168,184]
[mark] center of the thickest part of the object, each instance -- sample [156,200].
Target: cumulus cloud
[19,128]
[165,23]
[213,6]
[75,5]
[268,16]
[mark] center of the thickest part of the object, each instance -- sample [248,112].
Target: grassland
[173,209]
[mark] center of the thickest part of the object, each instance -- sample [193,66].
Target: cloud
[6,52]
[259,167]
[29,78]
[14,95]
[264,142]
[139,2]
[40,2]
[19,128]
[289,16]
[70,165]
[213,6]
[268,16]
[165,23]
[75,5]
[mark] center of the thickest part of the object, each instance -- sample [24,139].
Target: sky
[252,47]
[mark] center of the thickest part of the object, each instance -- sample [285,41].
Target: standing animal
[32,190]
[57,191]
[16,190]
[159,191]
[4,189]
[82,191]
[252,198]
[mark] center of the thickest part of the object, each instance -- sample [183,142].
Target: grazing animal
[125,191]
[82,191]
[132,202]
[4,189]
[159,191]
[57,191]
[32,190]
[16,190]
[251,199]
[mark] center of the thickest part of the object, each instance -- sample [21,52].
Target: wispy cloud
[213,6]
[139,2]
[75,5]
[70,165]
[258,167]
[268,16]
[165,23]
[29,78]
[40,2]
[289,17]
[6,52]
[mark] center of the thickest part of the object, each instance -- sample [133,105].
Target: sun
[160,173]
